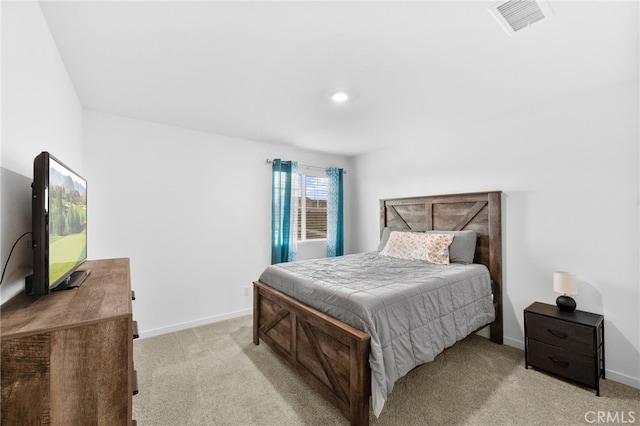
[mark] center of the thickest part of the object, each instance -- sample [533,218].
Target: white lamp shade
[565,282]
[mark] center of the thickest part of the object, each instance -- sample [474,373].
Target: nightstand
[567,344]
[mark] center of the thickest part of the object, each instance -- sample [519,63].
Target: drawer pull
[134,329]
[563,364]
[558,334]
[134,380]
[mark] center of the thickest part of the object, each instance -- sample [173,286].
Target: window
[312,207]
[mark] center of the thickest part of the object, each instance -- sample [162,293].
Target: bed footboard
[332,356]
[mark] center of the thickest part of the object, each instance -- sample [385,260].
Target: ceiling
[264,71]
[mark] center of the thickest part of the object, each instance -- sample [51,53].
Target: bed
[343,352]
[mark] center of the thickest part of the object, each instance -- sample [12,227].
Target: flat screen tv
[59,219]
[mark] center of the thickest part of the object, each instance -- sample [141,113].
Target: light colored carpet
[215,375]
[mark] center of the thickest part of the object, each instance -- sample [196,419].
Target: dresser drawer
[566,335]
[571,365]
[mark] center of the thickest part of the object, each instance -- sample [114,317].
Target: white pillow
[432,248]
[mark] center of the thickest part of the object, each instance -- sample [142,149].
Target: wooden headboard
[479,211]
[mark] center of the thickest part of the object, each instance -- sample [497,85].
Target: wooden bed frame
[333,356]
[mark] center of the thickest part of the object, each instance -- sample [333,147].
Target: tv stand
[67,358]
[74,280]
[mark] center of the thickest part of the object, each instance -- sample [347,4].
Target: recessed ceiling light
[340,96]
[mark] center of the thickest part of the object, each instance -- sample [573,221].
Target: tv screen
[59,209]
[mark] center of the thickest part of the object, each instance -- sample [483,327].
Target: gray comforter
[411,309]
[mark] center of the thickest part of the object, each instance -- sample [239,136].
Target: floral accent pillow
[433,248]
[438,248]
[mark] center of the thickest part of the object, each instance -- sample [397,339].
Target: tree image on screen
[67,221]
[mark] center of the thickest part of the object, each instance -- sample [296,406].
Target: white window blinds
[312,207]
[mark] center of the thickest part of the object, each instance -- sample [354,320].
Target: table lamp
[565,283]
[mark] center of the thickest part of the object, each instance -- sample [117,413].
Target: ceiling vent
[514,15]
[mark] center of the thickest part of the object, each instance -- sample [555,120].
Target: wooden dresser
[67,357]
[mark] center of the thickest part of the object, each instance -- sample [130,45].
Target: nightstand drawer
[571,365]
[563,334]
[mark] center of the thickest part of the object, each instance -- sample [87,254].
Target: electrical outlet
[246,291]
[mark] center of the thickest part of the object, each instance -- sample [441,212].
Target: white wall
[40,112]
[191,209]
[569,172]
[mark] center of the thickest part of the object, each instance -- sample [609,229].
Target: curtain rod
[269,161]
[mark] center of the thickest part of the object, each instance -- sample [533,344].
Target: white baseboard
[513,342]
[622,378]
[191,324]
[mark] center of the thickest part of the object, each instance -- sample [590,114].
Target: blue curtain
[335,213]
[284,208]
